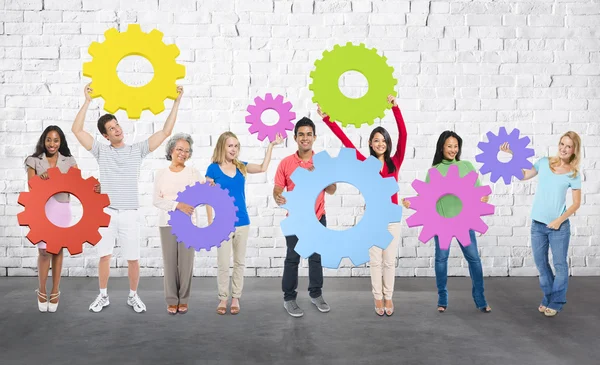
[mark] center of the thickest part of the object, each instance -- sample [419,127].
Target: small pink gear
[445,228]
[285,117]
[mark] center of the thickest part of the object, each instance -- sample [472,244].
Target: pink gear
[446,228]
[271,131]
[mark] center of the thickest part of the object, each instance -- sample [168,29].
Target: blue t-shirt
[551,194]
[236,186]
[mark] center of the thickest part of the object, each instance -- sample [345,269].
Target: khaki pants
[178,267]
[238,243]
[383,265]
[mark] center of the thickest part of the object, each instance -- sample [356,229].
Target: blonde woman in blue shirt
[550,227]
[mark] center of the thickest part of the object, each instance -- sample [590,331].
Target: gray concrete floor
[514,333]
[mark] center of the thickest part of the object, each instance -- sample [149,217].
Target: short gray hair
[173,141]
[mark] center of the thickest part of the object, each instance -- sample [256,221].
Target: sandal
[486,309]
[183,308]
[172,309]
[42,306]
[542,308]
[441,308]
[221,310]
[389,310]
[52,307]
[379,309]
[234,310]
[549,312]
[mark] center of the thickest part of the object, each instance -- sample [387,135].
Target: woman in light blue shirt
[550,227]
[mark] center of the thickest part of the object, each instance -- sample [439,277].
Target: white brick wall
[471,66]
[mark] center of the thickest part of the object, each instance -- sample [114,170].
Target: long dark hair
[439,152]
[40,147]
[388,150]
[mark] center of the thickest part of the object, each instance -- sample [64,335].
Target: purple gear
[445,228]
[285,117]
[506,170]
[191,235]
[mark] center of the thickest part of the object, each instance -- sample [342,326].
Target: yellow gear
[116,94]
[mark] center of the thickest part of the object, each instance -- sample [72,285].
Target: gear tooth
[135,113]
[156,34]
[172,51]
[336,47]
[279,99]
[110,33]
[179,71]
[134,28]
[95,49]
[349,44]
[156,108]
[299,174]
[88,69]
[322,158]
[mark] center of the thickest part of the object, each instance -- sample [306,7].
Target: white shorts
[124,228]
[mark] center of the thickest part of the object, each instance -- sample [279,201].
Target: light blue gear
[354,243]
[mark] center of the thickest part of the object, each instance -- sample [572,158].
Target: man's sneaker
[136,303]
[292,308]
[99,304]
[320,303]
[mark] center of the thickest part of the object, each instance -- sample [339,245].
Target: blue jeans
[554,285]
[475,270]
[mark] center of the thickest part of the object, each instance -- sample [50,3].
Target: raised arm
[527,174]
[159,137]
[398,157]
[339,133]
[253,168]
[84,138]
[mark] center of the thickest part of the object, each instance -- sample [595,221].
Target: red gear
[56,238]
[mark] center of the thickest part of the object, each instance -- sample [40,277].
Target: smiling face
[305,137]
[378,144]
[52,143]
[232,148]
[181,151]
[114,132]
[450,148]
[565,148]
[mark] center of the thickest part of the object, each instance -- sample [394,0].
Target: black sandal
[486,309]
[442,308]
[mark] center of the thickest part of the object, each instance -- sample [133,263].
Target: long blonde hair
[575,157]
[219,152]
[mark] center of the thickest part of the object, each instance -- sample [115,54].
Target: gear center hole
[63,214]
[504,157]
[353,84]
[269,117]
[135,71]
[202,217]
[449,200]
[345,208]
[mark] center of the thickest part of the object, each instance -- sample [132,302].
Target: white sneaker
[99,304]
[136,303]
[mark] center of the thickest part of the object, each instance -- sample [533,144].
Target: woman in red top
[383,262]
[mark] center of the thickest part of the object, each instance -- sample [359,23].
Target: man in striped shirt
[119,166]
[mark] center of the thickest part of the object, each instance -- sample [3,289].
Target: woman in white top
[178,260]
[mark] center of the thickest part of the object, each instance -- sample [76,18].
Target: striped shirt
[119,172]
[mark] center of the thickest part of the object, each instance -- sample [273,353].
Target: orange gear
[56,238]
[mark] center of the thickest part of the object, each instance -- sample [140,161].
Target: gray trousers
[178,264]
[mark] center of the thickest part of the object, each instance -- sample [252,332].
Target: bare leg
[57,261]
[133,271]
[104,271]
[43,268]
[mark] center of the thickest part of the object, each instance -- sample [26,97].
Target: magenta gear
[222,226]
[445,228]
[506,170]
[285,117]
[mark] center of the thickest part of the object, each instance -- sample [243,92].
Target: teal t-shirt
[550,197]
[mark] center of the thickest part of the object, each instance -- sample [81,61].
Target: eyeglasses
[179,150]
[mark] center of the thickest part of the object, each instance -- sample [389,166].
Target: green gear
[328,95]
